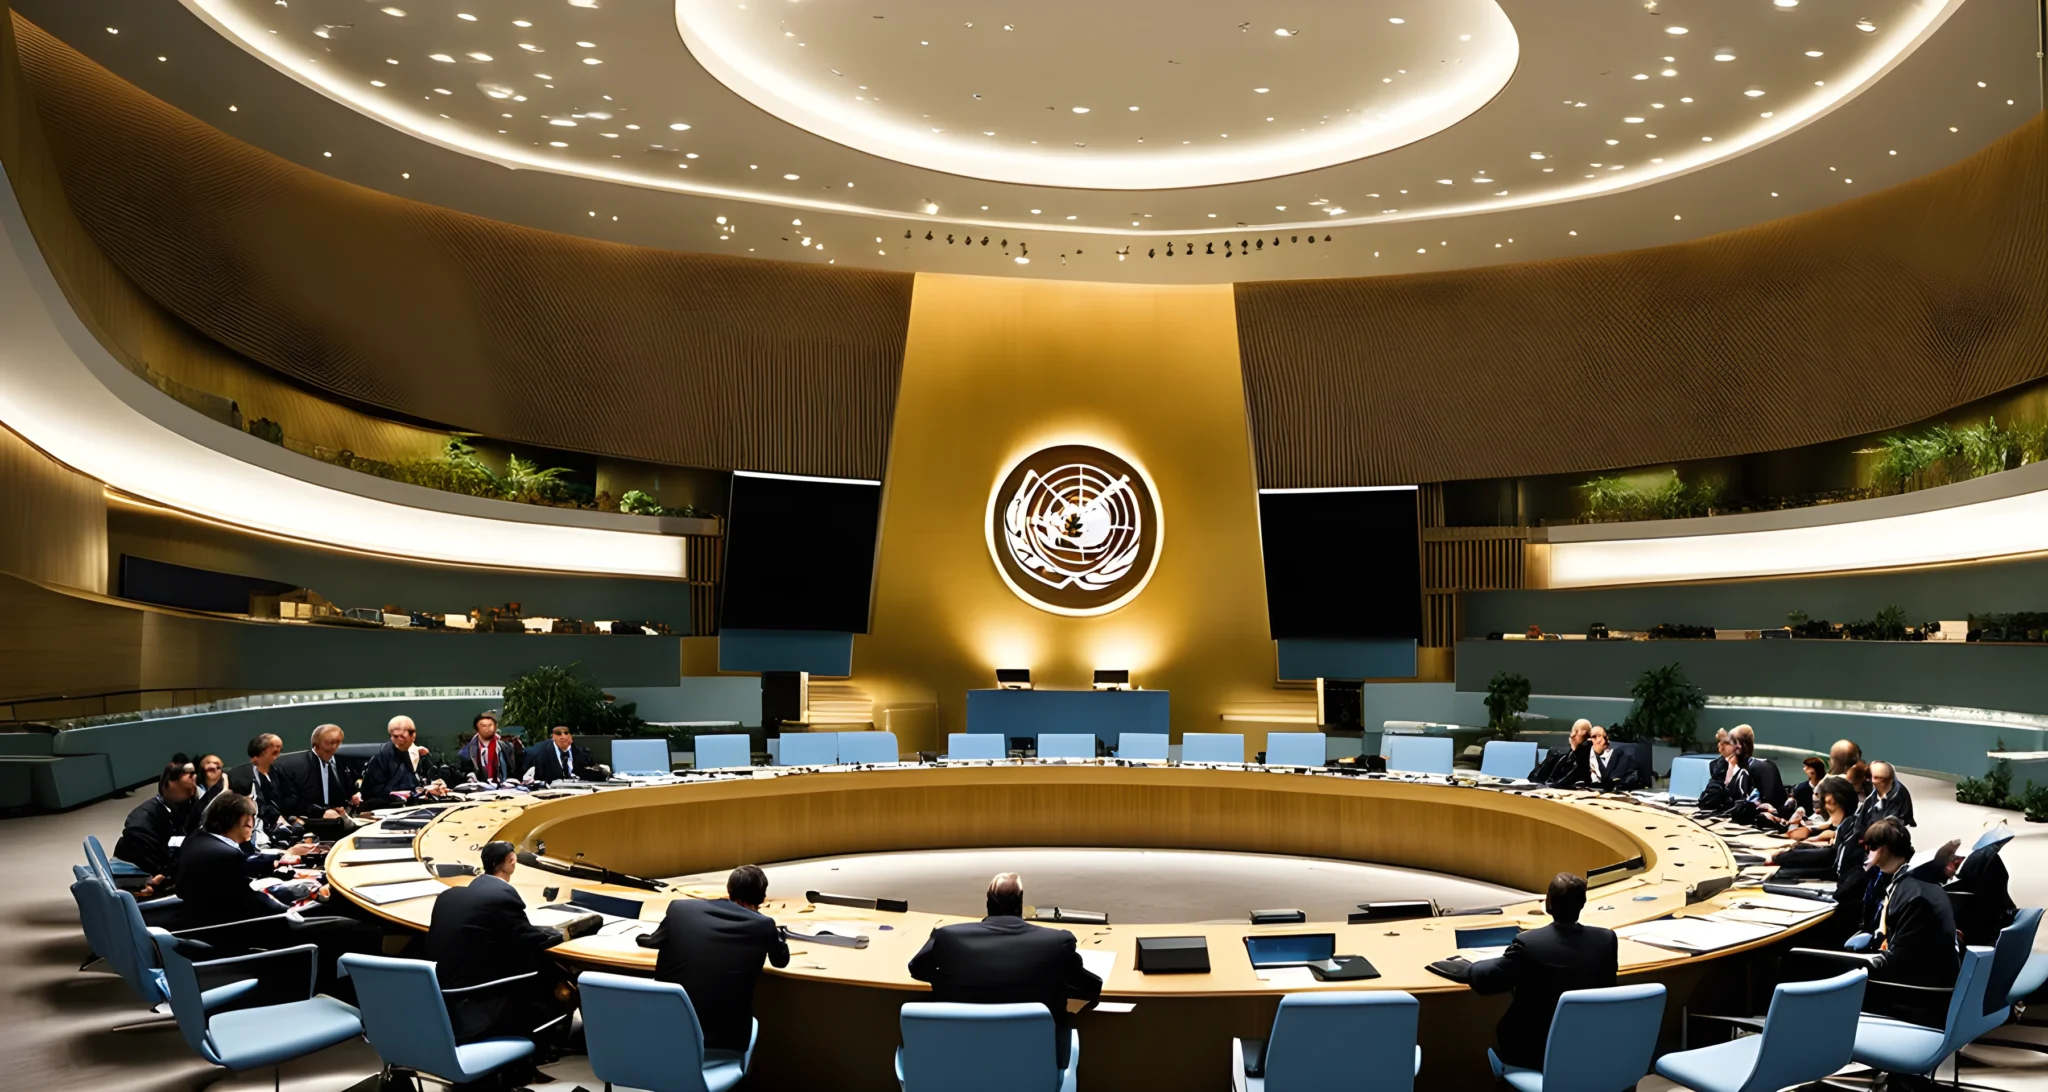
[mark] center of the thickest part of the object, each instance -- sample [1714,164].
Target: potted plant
[1667,707]
[550,695]
[1507,698]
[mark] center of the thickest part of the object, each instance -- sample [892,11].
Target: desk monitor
[1290,949]
[1491,936]
[640,757]
[1403,910]
[606,904]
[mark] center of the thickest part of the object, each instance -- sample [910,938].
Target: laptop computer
[1290,949]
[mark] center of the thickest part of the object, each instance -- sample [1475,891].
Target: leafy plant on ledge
[1627,497]
[1667,707]
[1993,790]
[1941,455]
[637,503]
[1507,698]
[550,695]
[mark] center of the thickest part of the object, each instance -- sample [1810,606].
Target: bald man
[1567,764]
[1763,773]
[1844,754]
[1888,799]
[1003,958]
[401,770]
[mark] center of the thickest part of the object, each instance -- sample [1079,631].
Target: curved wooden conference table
[830,1019]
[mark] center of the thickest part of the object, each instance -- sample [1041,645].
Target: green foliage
[547,696]
[460,470]
[1889,625]
[2034,802]
[263,428]
[1507,697]
[1797,618]
[1939,455]
[1994,789]
[1667,707]
[638,503]
[1613,497]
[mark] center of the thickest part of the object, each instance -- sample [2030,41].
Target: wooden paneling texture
[1846,320]
[527,336]
[53,520]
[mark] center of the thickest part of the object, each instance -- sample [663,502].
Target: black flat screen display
[1342,565]
[799,553]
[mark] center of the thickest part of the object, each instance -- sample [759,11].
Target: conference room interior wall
[998,368]
[53,523]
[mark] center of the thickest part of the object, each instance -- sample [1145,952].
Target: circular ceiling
[1129,96]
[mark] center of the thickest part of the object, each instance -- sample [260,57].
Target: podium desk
[1106,713]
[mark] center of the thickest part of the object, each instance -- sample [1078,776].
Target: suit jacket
[1568,768]
[1721,793]
[470,761]
[213,882]
[1553,763]
[146,835]
[713,949]
[1621,774]
[1768,783]
[1802,795]
[1539,966]
[1899,805]
[260,787]
[390,773]
[1006,959]
[297,777]
[545,762]
[1918,931]
[480,933]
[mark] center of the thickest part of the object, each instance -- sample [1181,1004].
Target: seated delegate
[155,829]
[488,756]
[560,760]
[1567,762]
[1538,967]
[1003,958]
[316,783]
[480,933]
[713,949]
[395,774]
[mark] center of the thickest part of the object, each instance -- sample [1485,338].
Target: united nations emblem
[1074,529]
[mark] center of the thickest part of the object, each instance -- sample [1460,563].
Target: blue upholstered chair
[1066,745]
[809,749]
[1600,1041]
[133,952]
[725,752]
[869,747]
[1809,1032]
[644,1034]
[1895,1046]
[1349,1039]
[406,1020]
[1297,749]
[1507,758]
[976,745]
[1419,754]
[1689,776]
[96,855]
[2009,959]
[1142,746]
[261,1035]
[1212,747]
[948,1046]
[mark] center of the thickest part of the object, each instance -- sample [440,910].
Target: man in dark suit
[1610,768]
[1541,965]
[151,829]
[1763,773]
[1888,798]
[713,949]
[489,756]
[395,774]
[560,759]
[1566,764]
[1002,958]
[480,933]
[316,783]
[253,779]
[1916,928]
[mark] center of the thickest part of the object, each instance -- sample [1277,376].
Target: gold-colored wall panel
[53,520]
[996,368]
[1846,320]
[526,336]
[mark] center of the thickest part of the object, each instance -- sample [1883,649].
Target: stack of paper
[384,894]
[1697,934]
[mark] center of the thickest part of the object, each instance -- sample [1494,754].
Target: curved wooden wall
[1858,317]
[523,335]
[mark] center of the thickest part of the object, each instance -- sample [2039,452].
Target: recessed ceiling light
[1786,3]
[399,12]
[592,60]
[522,22]
[1632,121]
[1669,72]
[1672,30]
[1688,98]
[1642,75]
[792,177]
[1754,92]
[480,56]
[1263,90]
[678,126]
[557,144]
[1282,32]
[588,45]
[1535,155]
[465,17]
[1724,54]
[1865,25]
[1080,109]
[531,48]
[1022,260]
[931,208]
[1815,53]
[563,122]
[1034,212]
[442,57]
[1397,21]
[1134,109]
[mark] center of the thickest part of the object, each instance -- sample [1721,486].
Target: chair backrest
[187,1004]
[809,749]
[403,1014]
[1603,1040]
[869,747]
[1329,1040]
[976,745]
[1297,749]
[96,857]
[640,756]
[92,917]
[1689,776]
[1966,1006]
[1507,758]
[1419,754]
[1066,745]
[949,1046]
[1808,1031]
[2015,944]
[1142,746]
[641,1033]
[1212,747]
[724,752]
[130,949]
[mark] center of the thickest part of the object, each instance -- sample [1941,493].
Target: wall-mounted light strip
[1343,489]
[62,391]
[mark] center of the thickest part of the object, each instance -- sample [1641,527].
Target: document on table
[377,856]
[384,894]
[1099,963]
[1288,978]
[1697,934]
[1474,955]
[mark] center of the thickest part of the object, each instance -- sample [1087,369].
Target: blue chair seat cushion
[1258,1084]
[485,1056]
[261,1037]
[212,999]
[1896,1046]
[1723,1067]
[723,1069]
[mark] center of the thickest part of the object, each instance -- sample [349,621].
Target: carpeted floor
[70,1029]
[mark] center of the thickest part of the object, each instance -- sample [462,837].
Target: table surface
[1678,853]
